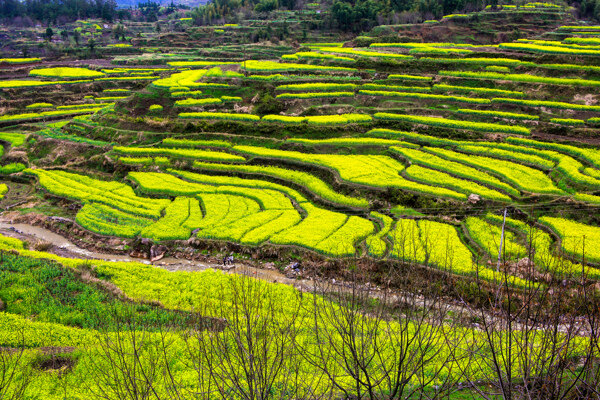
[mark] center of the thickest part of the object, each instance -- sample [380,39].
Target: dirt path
[61,246]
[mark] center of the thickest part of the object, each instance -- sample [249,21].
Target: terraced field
[466,133]
[457,158]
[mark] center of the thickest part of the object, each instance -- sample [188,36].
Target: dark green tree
[49,33]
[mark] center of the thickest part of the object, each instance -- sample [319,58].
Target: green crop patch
[455,124]
[66,72]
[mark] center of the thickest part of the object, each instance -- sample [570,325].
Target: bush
[268,105]
[12,168]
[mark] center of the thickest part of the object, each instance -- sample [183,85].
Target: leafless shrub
[254,356]
[16,373]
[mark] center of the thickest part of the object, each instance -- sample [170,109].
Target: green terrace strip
[200,63]
[571,168]
[137,160]
[376,244]
[477,61]
[272,66]
[593,121]
[412,45]
[317,45]
[455,124]
[313,95]
[457,169]
[239,210]
[478,90]
[521,78]
[579,28]
[507,152]
[17,84]
[171,226]
[57,134]
[217,72]
[498,114]
[126,78]
[321,87]
[437,50]
[487,236]
[437,178]
[341,142]
[170,142]
[553,43]
[402,77]
[80,106]
[19,60]
[547,49]
[155,108]
[181,153]
[326,232]
[544,256]
[186,80]
[544,103]
[231,98]
[239,182]
[40,105]
[367,170]
[592,156]
[592,41]
[312,77]
[545,160]
[221,116]
[48,114]
[578,240]
[320,119]
[568,121]
[315,55]
[304,179]
[375,86]
[415,137]
[97,218]
[197,102]
[126,70]
[412,242]
[363,53]
[66,72]
[187,94]
[525,178]
[424,96]
[93,191]
[111,98]
[11,168]
[497,68]
[15,139]
[116,91]
[522,152]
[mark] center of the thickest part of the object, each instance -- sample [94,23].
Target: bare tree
[528,343]
[130,361]
[16,372]
[253,356]
[372,345]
